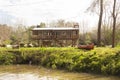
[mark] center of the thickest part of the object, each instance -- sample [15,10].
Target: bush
[6,58]
[100,60]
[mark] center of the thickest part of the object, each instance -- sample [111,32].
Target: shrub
[100,60]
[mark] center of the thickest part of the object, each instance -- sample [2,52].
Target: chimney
[76,26]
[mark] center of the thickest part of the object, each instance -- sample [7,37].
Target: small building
[48,36]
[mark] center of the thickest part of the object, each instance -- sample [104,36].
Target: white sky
[32,12]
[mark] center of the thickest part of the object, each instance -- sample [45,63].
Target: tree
[99,24]
[17,34]
[42,25]
[70,24]
[98,3]
[5,33]
[61,23]
[114,15]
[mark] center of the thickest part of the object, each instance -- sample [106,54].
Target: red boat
[87,47]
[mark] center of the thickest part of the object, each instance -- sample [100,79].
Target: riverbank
[104,61]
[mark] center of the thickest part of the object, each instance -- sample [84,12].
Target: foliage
[6,58]
[100,60]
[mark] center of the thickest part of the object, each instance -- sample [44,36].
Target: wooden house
[56,35]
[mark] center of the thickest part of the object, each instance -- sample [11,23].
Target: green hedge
[99,60]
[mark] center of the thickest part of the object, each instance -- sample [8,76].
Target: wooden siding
[55,34]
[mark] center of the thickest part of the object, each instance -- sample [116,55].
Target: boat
[86,47]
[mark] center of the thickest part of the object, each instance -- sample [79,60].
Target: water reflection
[24,72]
[25,76]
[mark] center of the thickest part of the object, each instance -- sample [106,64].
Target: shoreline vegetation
[105,61]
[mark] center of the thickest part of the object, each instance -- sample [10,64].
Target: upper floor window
[75,32]
[47,33]
[35,32]
[64,33]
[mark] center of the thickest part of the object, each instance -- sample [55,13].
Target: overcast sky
[32,12]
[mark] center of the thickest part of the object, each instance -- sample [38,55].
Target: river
[28,72]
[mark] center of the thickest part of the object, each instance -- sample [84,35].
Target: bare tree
[100,5]
[99,24]
[114,15]
[61,23]
[5,34]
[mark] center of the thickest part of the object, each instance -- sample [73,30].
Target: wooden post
[38,42]
[72,43]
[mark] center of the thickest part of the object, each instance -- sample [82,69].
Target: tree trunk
[114,24]
[99,24]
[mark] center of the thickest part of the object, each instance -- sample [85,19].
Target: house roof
[62,28]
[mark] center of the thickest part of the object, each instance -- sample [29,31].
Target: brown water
[25,72]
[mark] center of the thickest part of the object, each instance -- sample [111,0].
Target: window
[74,32]
[35,32]
[45,33]
[57,34]
[64,33]
[40,33]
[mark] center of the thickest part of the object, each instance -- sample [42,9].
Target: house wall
[55,34]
